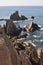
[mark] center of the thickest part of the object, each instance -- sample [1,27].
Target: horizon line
[20,5]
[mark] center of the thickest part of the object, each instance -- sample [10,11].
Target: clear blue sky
[21,2]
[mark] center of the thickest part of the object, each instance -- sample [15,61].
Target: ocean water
[37,11]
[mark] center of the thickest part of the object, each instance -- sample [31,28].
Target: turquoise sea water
[37,11]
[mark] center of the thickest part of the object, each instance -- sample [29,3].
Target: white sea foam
[31,43]
[36,36]
[41,29]
[41,40]
[39,25]
[24,26]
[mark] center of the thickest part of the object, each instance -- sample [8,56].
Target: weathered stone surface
[5,58]
[31,27]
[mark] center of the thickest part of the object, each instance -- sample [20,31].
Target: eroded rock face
[15,16]
[31,27]
[5,58]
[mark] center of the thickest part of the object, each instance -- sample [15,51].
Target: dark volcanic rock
[23,17]
[15,16]
[32,17]
[31,27]
[11,29]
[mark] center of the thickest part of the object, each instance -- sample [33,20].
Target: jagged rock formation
[31,27]
[11,29]
[15,16]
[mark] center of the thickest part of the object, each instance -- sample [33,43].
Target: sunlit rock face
[31,27]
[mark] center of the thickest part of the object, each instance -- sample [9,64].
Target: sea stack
[15,16]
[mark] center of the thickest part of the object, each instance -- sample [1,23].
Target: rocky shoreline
[13,49]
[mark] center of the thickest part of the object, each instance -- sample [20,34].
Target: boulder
[11,28]
[31,27]
[15,16]
[32,17]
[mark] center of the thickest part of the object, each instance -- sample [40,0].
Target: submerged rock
[31,27]
[15,16]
